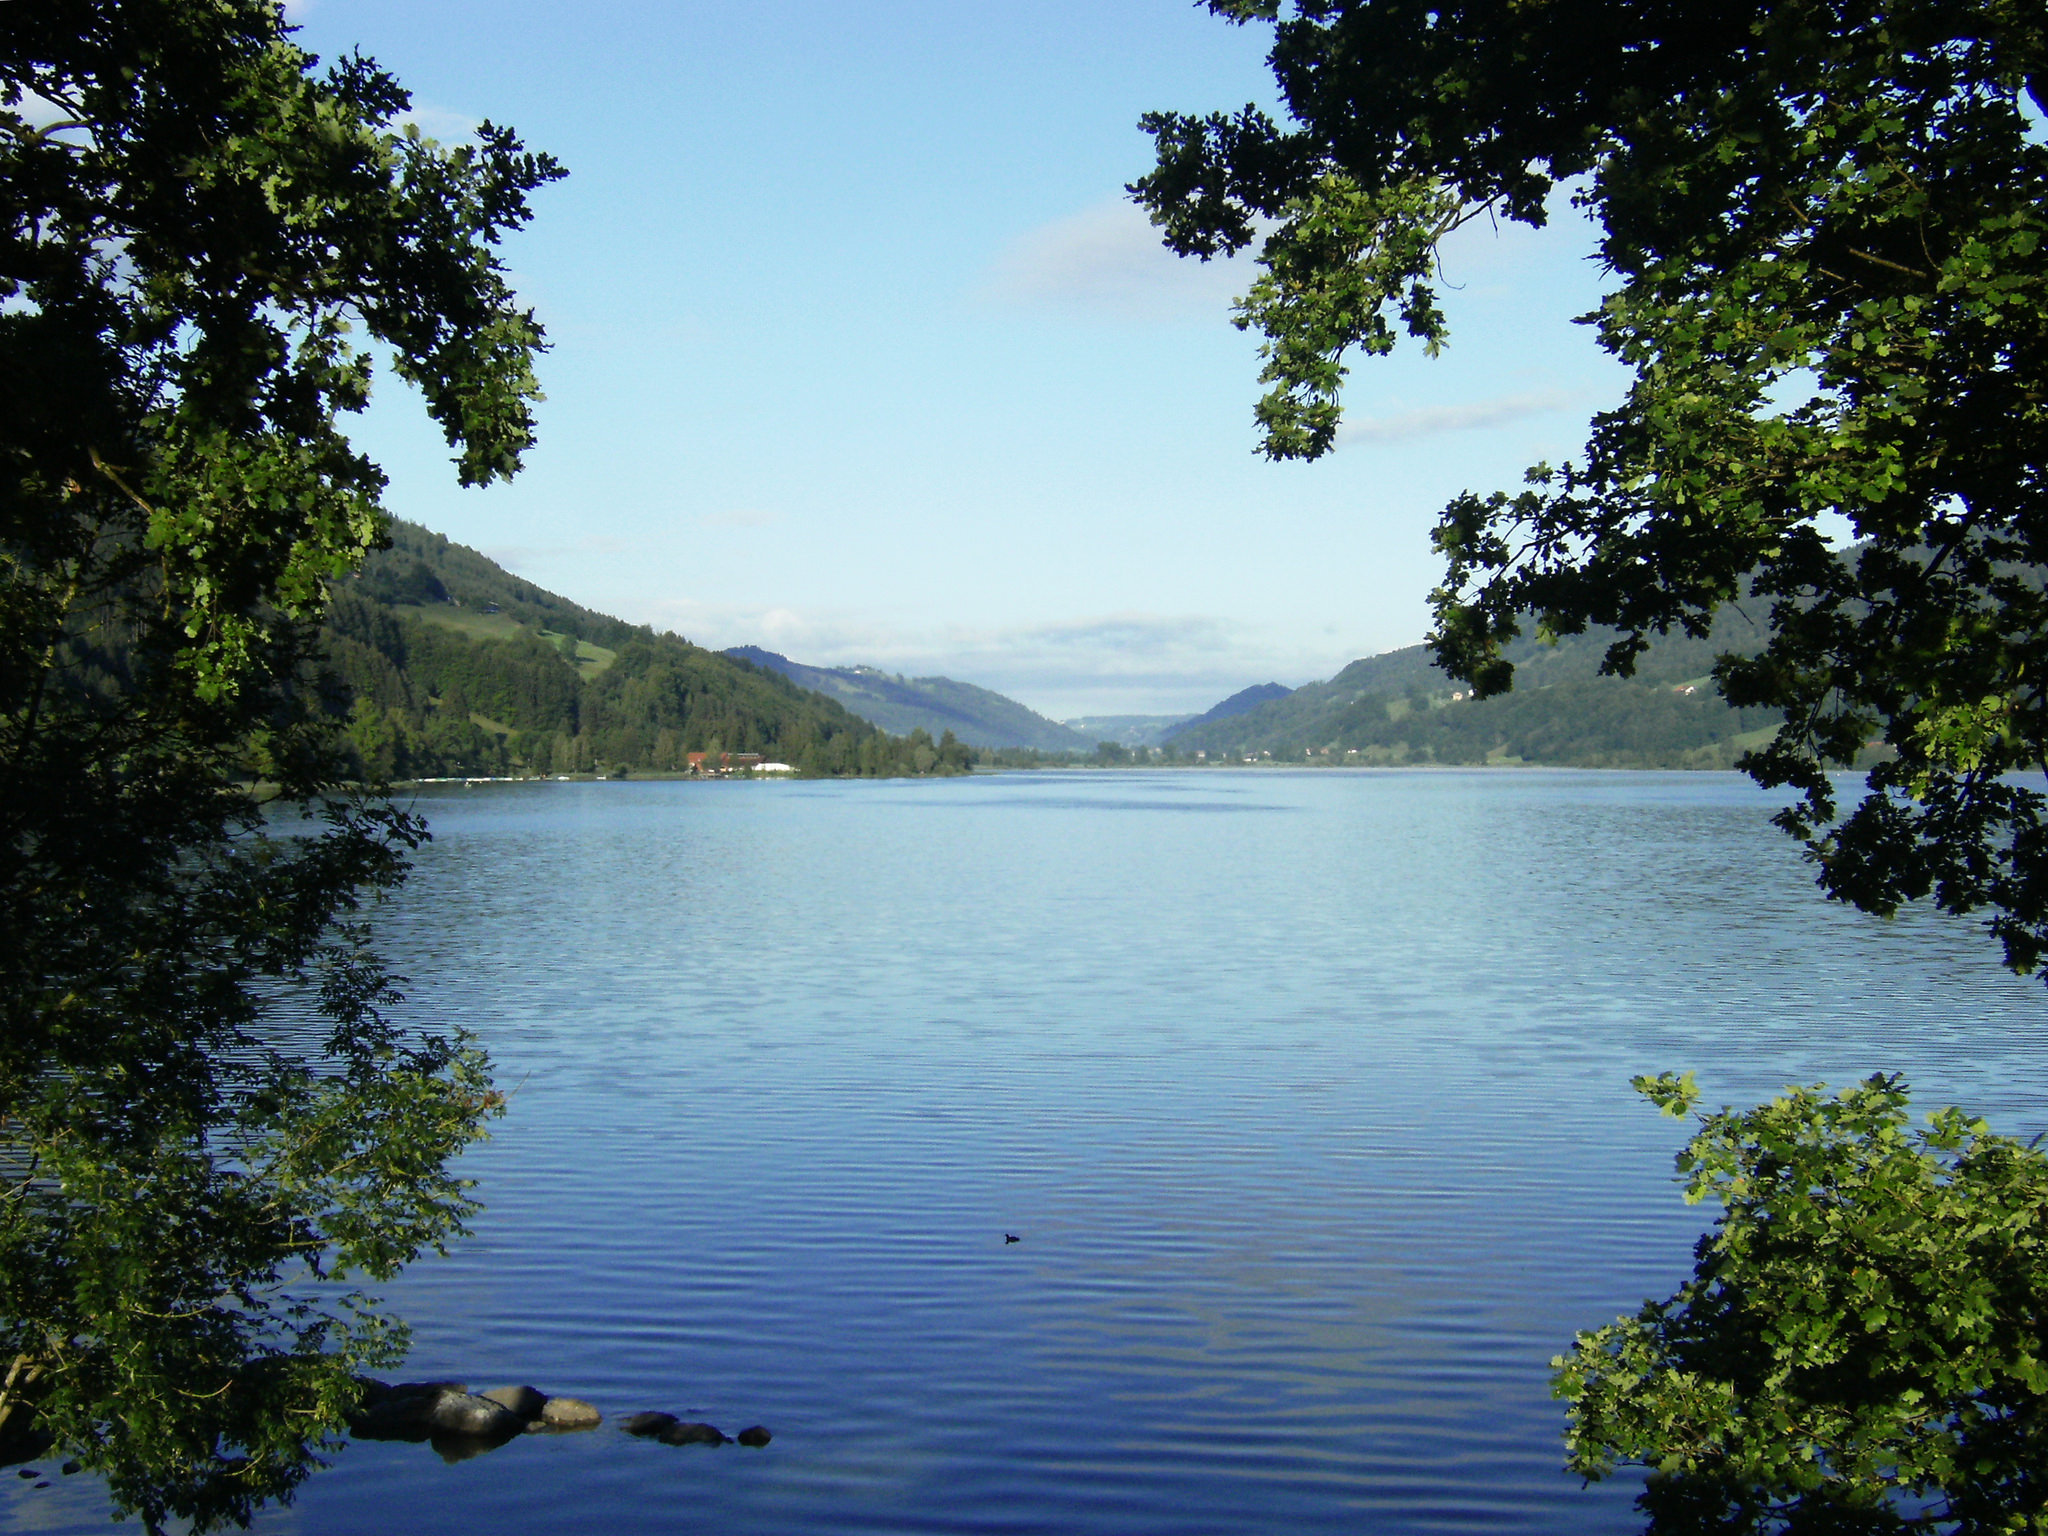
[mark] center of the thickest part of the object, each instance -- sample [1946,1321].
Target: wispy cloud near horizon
[1116,663]
[1107,260]
[741,517]
[1428,421]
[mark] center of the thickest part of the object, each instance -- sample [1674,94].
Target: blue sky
[860,353]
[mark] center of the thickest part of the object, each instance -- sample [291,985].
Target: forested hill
[1399,708]
[978,716]
[457,666]
[1243,702]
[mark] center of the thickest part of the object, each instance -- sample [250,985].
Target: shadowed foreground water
[1306,1094]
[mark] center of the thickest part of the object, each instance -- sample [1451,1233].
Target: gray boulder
[424,1388]
[376,1394]
[464,1413]
[527,1402]
[394,1418]
[419,1409]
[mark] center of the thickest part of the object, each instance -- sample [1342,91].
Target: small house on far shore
[728,762]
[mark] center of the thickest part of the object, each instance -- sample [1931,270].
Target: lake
[1305,1092]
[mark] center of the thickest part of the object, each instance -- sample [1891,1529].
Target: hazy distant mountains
[1243,702]
[1127,730]
[1390,709]
[978,716]
[1399,708]
[456,666]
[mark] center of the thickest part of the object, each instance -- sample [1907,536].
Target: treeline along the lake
[456,666]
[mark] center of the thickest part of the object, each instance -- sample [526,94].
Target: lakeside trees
[206,1117]
[1824,224]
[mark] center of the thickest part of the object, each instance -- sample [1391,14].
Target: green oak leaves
[208,1117]
[1823,228]
[1860,1345]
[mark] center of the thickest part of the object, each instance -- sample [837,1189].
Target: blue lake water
[1305,1092]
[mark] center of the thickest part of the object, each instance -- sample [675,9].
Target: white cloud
[521,557]
[741,517]
[1120,663]
[441,124]
[1107,260]
[1427,421]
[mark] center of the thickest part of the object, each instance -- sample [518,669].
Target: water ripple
[1313,1122]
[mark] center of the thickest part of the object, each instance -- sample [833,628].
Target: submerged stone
[646,1424]
[692,1434]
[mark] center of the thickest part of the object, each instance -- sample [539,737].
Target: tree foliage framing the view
[1825,224]
[206,1117]
[1863,1322]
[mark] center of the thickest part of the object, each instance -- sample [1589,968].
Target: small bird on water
[1011,1237]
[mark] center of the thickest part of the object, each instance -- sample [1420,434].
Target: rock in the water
[645,1424]
[394,1418]
[755,1435]
[377,1394]
[569,1413]
[71,1467]
[418,1410]
[425,1388]
[692,1434]
[527,1402]
[463,1413]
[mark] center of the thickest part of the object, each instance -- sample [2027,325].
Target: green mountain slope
[1399,708]
[977,716]
[1243,702]
[456,666]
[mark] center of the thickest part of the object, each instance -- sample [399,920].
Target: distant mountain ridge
[978,716]
[454,665]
